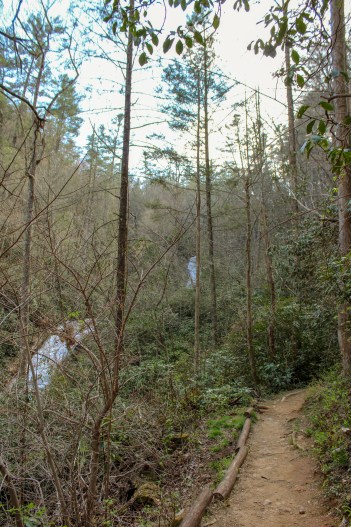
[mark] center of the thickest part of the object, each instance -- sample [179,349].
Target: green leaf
[189,42]
[198,38]
[143,59]
[347,120]
[114,28]
[269,51]
[302,110]
[179,47]
[282,31]
[183,4]
[197,7]
[167,44]
[246,5]
[300,81]
[327,106]
[310,126]
[154,39]
[300,26]
[322,127]
[295,56]
[215,22]
[149,48]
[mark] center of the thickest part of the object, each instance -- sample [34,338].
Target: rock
[267,502]
[302,510]
[284,510]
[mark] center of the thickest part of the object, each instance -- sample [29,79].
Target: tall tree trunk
[198,234]
[8,482]
[261,145]
[291,134]
[120,287]
[248,253]
[123,209]
[208,184]
[88,221]
[293,176]
[249,318]
[270,278]
[341,91]
[31,168]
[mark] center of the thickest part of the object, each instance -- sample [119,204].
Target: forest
[153,286]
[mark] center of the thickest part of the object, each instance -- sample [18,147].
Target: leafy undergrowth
[329,412]
[197,456]
[162,448]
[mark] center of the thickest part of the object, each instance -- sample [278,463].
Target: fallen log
[194,515]
[249,411]
[244,435]
[226,485]
[262,407]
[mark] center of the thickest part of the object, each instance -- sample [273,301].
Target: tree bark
[208,184]
[8,480]
[270,277]
[244,435]
[120,286]
[291,134]
[226,486]
[198,234]
[196,511]
[265,232]
[123,209]
[339,59]
[249,318]
[27,255]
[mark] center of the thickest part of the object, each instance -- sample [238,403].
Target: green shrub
[329,413]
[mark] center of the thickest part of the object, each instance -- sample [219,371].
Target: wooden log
[226,485]
[194,515]
[244,435]
[261,407]
[249,411]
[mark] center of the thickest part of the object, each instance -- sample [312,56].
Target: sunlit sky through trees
[100,80]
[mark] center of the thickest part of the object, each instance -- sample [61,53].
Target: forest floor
[278,484]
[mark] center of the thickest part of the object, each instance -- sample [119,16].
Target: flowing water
[55,349]
[191,272]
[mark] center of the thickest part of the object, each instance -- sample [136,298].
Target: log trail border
[197,509]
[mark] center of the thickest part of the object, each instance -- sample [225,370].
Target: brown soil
[278,484]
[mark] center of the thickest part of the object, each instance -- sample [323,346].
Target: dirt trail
[278,486]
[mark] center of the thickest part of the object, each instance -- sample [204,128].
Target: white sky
[235,32]
[233,36]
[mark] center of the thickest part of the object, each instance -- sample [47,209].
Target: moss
[220,466]
[224,430]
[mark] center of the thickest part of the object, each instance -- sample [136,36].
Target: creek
[55,349]
[191,272]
